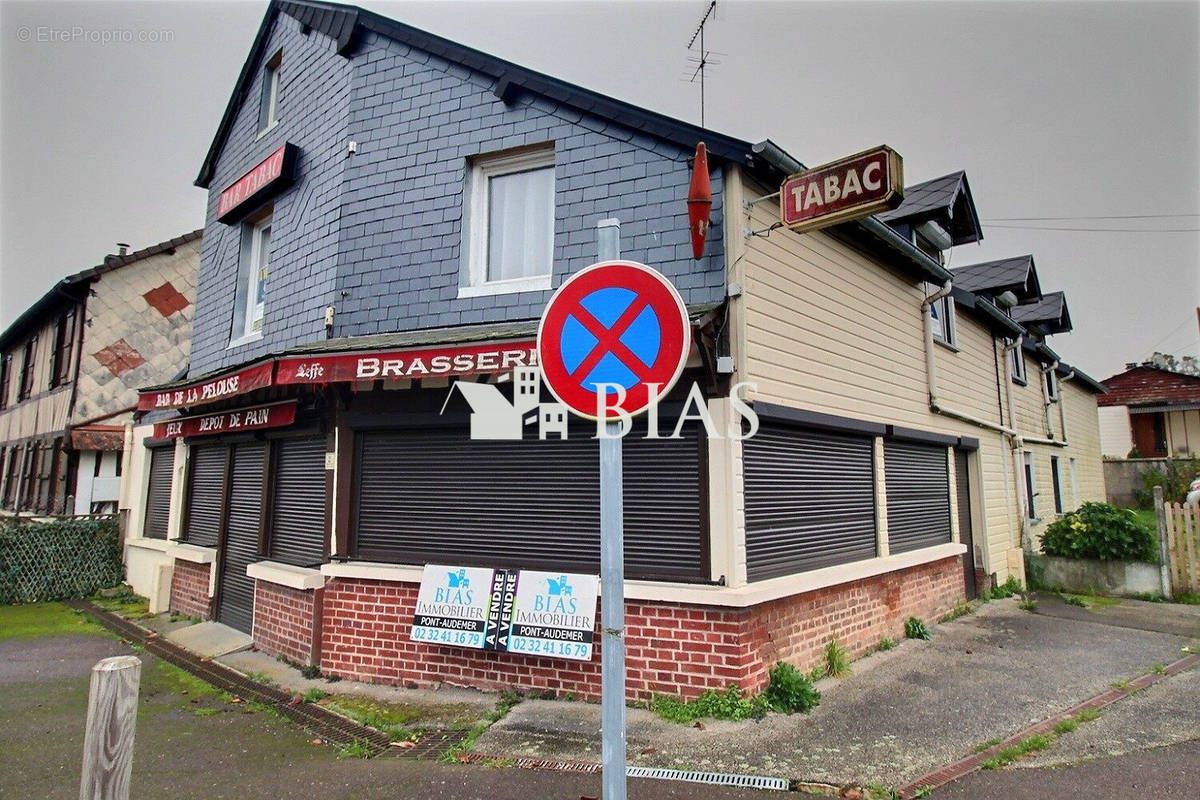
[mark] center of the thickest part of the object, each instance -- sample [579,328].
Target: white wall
[1116,438]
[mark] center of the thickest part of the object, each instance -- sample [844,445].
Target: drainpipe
[1016,442]
[935,405]
[1046,401]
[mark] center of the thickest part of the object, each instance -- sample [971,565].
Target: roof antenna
[702,60]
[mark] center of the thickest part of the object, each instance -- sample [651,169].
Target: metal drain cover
[711,778]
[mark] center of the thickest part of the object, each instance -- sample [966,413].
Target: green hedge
[1100,531]
[58,560]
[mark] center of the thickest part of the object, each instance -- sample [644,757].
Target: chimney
[122,248]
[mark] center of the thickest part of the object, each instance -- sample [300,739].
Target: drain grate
[710,778]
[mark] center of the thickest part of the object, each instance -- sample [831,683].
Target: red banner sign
[274,172]
[242,419]
[246,380]
[850,188]
[435,362]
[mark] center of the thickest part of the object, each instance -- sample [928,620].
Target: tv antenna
[703,58]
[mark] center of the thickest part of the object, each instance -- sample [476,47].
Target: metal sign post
[612,579]
[613,325]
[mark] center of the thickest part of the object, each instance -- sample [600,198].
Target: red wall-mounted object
[699,201]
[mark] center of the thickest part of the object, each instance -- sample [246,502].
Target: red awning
[274,415]
[457,360]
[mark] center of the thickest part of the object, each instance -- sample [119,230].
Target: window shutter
[236,604]
[298,501]
[918,495]
[434,495]
[206,495]
[158,497]
[810,500]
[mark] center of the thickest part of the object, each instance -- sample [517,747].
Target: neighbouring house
[1151,411]
[70,368]
[388,213]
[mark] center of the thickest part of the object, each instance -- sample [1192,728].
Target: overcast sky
[1060,112]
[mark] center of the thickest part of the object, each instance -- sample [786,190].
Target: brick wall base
[189,589]
[284,621]
[671,648]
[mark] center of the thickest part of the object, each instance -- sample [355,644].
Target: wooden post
[108,741]
[1160,515]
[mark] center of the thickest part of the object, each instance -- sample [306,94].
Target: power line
[1115,216]
[1096,230]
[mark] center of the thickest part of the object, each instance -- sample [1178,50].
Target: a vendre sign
[843,190]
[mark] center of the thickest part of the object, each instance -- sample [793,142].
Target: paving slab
[210,639]
[901,714]
[1182,620]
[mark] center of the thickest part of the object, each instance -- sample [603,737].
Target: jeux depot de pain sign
[847,189]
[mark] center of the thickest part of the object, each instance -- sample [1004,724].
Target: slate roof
[1050,314]
[1018,275]
[1146,385]
[61,290]
[946,200]
[341,23]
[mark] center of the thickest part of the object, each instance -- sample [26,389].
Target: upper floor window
[1030,483]
[1017,362]
[28,367]
[5,379]
[1051,385]
[64,344]
[268,104]
[943,318]
[510,224]
[259,265]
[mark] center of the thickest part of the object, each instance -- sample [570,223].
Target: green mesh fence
[58,560]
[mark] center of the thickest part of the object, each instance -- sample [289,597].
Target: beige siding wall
[829,329]
[45,414]
[1116,438]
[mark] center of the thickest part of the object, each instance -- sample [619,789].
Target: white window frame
[1030,482]
[1051,385]
[254,306]
[1074,468]
[1017,366]
[270,92]
[944,307]
[476,224]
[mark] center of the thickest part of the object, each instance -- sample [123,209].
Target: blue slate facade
[378,234]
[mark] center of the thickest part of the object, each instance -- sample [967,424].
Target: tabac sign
[273,173]
[847,189]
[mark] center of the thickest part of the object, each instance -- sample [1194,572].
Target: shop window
[297,509]
[1030,483]
[256,268]
[1016,360]
[268,106]
[1056,480]
[25,388]
[5,379]
[64,343]
[158,495]
[207,465]
[509,224]
[917,477]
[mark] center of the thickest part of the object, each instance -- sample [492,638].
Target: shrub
[1100,531]
[1174,479]
[790,691]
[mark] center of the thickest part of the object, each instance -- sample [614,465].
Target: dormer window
[268,108]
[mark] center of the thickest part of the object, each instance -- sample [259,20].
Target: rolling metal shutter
[810,500]
[158,496]
[236,601]
[918,495]
[298,501]
[206,494]
[434,495]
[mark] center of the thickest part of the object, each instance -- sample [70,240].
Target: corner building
[388,214]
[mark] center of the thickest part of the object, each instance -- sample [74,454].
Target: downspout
[1026,542]
[935,405]
[1046,412]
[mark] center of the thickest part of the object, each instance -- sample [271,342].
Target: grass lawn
[44,619]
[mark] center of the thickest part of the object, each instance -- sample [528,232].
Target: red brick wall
[284,621]
[670,647]
[189,589]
